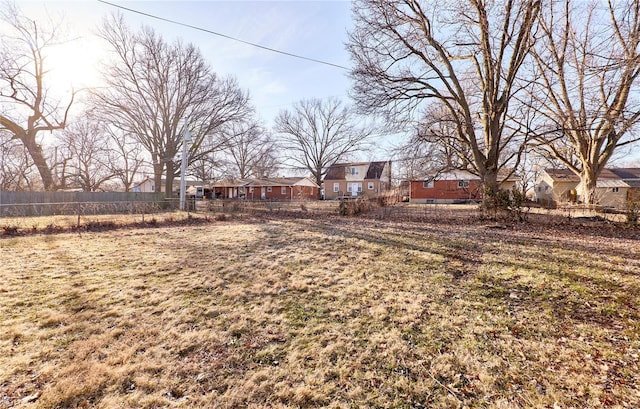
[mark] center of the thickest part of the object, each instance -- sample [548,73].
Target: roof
[337,170]
[449,175]
[562,175]
[608,183]
[375,170]
[283,181]
[608,178]
[627,173]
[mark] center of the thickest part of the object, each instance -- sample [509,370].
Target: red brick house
[287,188]
[456,186]
[357,179]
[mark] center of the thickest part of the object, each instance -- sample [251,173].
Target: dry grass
[338,313]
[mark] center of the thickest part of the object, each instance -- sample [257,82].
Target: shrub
[632,211]
[506,203]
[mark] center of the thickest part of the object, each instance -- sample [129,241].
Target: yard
[333,312]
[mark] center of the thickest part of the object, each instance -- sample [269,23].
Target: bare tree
[251,149]
[316,134]
[15,164]
[126,157]
[153,85]
[587,62]
[86,146]
[28,108]
[464,55]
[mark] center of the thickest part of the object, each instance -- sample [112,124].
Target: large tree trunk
[157,175]
[35,151]
[588,184]
[168,187]
[490,187]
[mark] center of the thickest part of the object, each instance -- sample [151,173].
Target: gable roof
[337,171]
[608,178]
[562,175]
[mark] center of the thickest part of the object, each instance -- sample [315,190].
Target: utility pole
[186,138]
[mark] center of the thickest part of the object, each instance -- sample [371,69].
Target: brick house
[285,188]
[455,186]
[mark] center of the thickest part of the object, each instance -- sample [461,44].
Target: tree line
[478,85]
[154,92]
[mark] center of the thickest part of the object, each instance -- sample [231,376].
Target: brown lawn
[338,313]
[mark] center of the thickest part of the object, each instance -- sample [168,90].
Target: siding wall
[378,187]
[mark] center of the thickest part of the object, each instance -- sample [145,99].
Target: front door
[263,193]
[354,188]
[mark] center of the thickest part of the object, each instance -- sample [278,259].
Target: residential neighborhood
[302,204]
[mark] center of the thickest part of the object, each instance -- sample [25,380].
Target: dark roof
[337,171]
[375,170]
[608,174]
[627,173]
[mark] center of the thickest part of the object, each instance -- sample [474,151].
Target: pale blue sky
[315,29]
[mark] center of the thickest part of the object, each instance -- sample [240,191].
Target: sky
[313,29]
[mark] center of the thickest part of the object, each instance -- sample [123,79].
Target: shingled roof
[337,171]
[562,175]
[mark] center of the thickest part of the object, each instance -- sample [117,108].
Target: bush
[352,207]
[505,203]
[632,211]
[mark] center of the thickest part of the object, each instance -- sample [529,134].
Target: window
[370,186]
[336,187]
[269,189]
[359,187]
[615,189]
[349,187]
[353,171]
[462,184]
[250,190]
[427,184]
[283,190]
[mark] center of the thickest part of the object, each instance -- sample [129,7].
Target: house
[631,176]
[357,179]
[148,185]
[555,186]
[454,186]
[614,187]
[285,188]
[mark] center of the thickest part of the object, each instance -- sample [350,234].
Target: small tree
[86,146]
[251,149]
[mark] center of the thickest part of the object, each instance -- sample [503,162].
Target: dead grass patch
[333,313]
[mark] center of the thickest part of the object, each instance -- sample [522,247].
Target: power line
[224,36]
